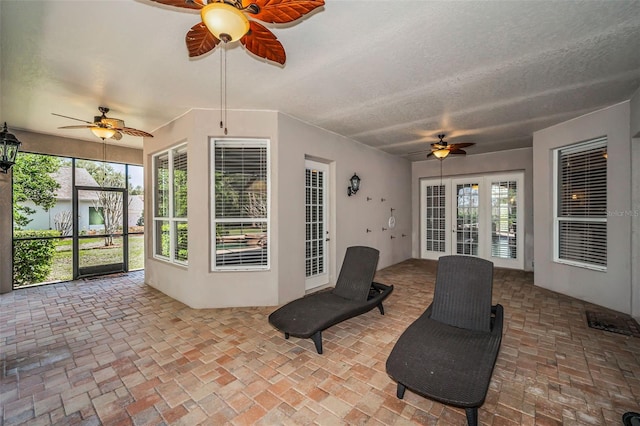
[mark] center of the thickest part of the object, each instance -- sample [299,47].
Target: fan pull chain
[223,88]
[104,163]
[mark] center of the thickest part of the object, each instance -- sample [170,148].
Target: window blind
[241,204]
[581,214]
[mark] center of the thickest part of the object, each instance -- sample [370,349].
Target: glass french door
[316,225]
[435,219]
[505,214]
[466,208]
[474,216]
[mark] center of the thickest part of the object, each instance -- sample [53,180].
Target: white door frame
[313,277]
[435,230]
[449,230]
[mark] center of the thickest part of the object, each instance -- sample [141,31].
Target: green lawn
[93,252]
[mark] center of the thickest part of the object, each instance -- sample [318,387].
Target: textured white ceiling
[390,74]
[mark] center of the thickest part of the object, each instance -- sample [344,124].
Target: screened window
[170,205]
[581,204]
[77,229]
[240,204]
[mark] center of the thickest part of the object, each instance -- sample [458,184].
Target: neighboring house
[89,216]
[43,219]
[136,209]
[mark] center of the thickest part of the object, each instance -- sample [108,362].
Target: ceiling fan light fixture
[441,154]
[226,22]
[103,132]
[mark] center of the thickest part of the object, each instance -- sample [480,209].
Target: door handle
[328,239]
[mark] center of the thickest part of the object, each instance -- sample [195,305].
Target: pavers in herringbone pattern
[115,351]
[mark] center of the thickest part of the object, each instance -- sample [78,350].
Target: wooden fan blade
[422,151]
[200,40]
[282,11]
[457,151]
[77,127]
[188,4]
[72,118]
[263,43]
[135,132]
[461,145]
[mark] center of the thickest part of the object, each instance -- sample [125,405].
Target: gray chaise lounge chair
[355,293]
[449,352]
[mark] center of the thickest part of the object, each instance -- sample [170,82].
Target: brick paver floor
[115,351]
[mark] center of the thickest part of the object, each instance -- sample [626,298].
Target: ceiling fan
[228,20]
[105,127]
[442,149]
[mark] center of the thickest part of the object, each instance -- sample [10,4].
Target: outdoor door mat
[621,324]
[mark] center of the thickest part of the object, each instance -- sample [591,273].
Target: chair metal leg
[472,416]
[317,339]
[400,391]
[381,308]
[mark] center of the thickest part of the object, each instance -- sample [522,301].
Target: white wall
[635,205]
[6,234]
[635,114]
[383,176]
[479,164]
[612,288]
[195,285]
[6,227]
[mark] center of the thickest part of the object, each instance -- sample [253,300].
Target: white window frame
[171,218]
[596,144]
[245,142]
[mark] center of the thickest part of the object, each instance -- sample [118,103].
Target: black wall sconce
[355,185]
[9,145]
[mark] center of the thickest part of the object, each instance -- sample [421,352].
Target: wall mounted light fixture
[354,185]
[9,145]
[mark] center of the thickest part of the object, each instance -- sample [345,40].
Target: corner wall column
[6,234]
[635,227]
